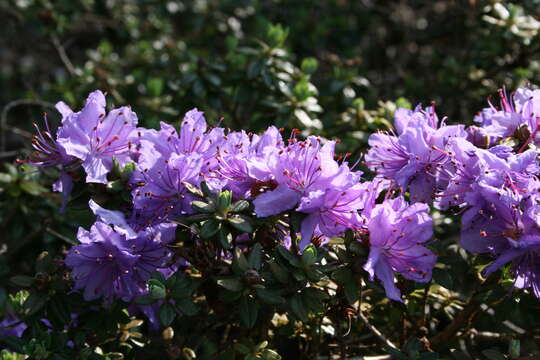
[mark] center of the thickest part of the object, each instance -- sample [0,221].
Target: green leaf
[3,297]
[255,256]
[341,276]
[298,308]
[443,278]
[309,65]
[206,190]
[45,263]
[296,219]
[202,207]
[224,201]
[249,311]
[34,303]
[302,90]
[158,276]
[187,307]
[192,189]
[428,356]
[13,343]
[270,296]
[22,280]
[242,349]
[155,86]
[156,289]
[276,35]
[299,275]
[241,222]
[270,354]
[240,263]
[313,305]
[32,188]
[210,228]
[291,259]
[351,291]
[254,69]
[225,238]
[514,348]
[227,355]
[314,274]
[279,272]
[145,300]
[167,313]
[493,354]
[57,310]
[316,293]
[240,205]
[231,284]
[460,355]
[115,186]
[309,256]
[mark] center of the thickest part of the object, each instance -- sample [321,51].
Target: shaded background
[337,68]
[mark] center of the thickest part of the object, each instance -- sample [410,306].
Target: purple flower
[300,168]
[11,325]
[160,191]
[108,264]
[415,156]
[524,254]
[242,162]
[478,175]
[166,160]
[332,212]
[151,312]
[397,232]
[508,230]
[516,117]
[49,153]
[95,137]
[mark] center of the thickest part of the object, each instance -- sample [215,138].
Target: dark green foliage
[338,68]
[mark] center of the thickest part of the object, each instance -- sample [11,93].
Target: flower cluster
[488,172]
[116,257]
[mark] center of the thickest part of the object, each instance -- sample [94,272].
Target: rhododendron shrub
[216,244]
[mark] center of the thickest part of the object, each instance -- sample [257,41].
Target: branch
[7,109]
[470,308]
[63,56]
[375,331]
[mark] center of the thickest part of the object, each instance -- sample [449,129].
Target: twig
[425,304]
[60,236]
[17,131]
[63,56]
[7,109]
[470,308]
[376,331]
[8,154]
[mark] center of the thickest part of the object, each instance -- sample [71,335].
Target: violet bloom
[516,117]
[151,312]
[11,325]
[49,153]
[108,264]
[159,190]
[242,162]
[414,156]
[194,137]
[477,176]
[397,232]
[300,168]
[332,212]
[96,138]
[509,231]
[166,160]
